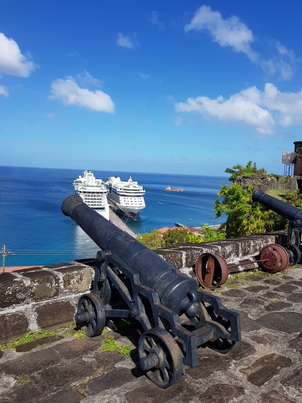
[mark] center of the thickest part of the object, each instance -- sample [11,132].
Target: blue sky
[186,87]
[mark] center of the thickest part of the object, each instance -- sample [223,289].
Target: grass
[242,276]
[34,335]
[109,344]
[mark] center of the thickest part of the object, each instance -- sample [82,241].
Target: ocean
[36,232]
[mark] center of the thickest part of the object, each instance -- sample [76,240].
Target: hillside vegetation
[244,216]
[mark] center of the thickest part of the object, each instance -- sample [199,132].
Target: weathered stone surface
[64,396]
[295,297]
[12,324]
[294,380]
[76,278]
[265,368]
[288,322]
[109,380]
[44,284]
[221,393]
[248,324]
[54,313]
[287,288]
[242,350]
[179,392]
[209,363]
[296,342]
[13,290]
[235,293]
[277,306]
[256,288]
[174,257]
[274,397]
[272,281]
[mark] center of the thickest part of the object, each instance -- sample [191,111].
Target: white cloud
[262,110]
[226,32]
[3,91]
[86,79]
[124,41]
[144,76]
[69,93]
[155,20]
[12,62]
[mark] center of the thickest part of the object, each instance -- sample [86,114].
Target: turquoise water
[33,227]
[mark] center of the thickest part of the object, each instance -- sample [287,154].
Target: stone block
[53,313]
[263,369]
[75,278]
[12,325]
[13,290]
[44,284]
[174,257]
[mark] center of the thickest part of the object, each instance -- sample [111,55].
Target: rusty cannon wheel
[273,258]
[211,270]
[91,314]
[160,357]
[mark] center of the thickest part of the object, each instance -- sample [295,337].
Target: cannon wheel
[273,258]
[91,314]
[294,253]
[211,270]
[160,357]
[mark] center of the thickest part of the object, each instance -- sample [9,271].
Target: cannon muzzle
[175,290]
[284,209]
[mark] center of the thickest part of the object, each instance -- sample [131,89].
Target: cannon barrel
[284,209]
[175,290]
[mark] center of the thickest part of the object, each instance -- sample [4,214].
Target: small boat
[169,189]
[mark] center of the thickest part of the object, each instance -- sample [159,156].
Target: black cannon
[131,281]
[289,251]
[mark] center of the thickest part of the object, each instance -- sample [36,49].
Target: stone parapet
[240,253]
[42,297]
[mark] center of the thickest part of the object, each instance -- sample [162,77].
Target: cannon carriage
[131,281]
[277,257]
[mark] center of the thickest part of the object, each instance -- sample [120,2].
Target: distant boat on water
[169,189]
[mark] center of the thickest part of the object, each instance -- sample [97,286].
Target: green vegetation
[249,169]
[245,217]
[34,335]
[178,236]
[27,338]
[23,379]
[109,344]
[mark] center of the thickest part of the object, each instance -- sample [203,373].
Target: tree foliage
[244,216]
[249,169]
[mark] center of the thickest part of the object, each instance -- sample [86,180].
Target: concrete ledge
[47,296]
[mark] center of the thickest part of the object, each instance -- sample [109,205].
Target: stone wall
[43,297]
[38,298]
[265,182]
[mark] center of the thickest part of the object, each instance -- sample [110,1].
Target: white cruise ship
[93,192]
[127,196]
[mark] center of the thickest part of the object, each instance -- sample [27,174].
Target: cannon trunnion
[131,281]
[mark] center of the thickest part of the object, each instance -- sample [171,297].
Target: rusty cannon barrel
[175,290]
[284,209]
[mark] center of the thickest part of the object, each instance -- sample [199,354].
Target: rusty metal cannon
[131,281]
[275,257]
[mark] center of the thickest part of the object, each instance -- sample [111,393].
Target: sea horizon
[35,230]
